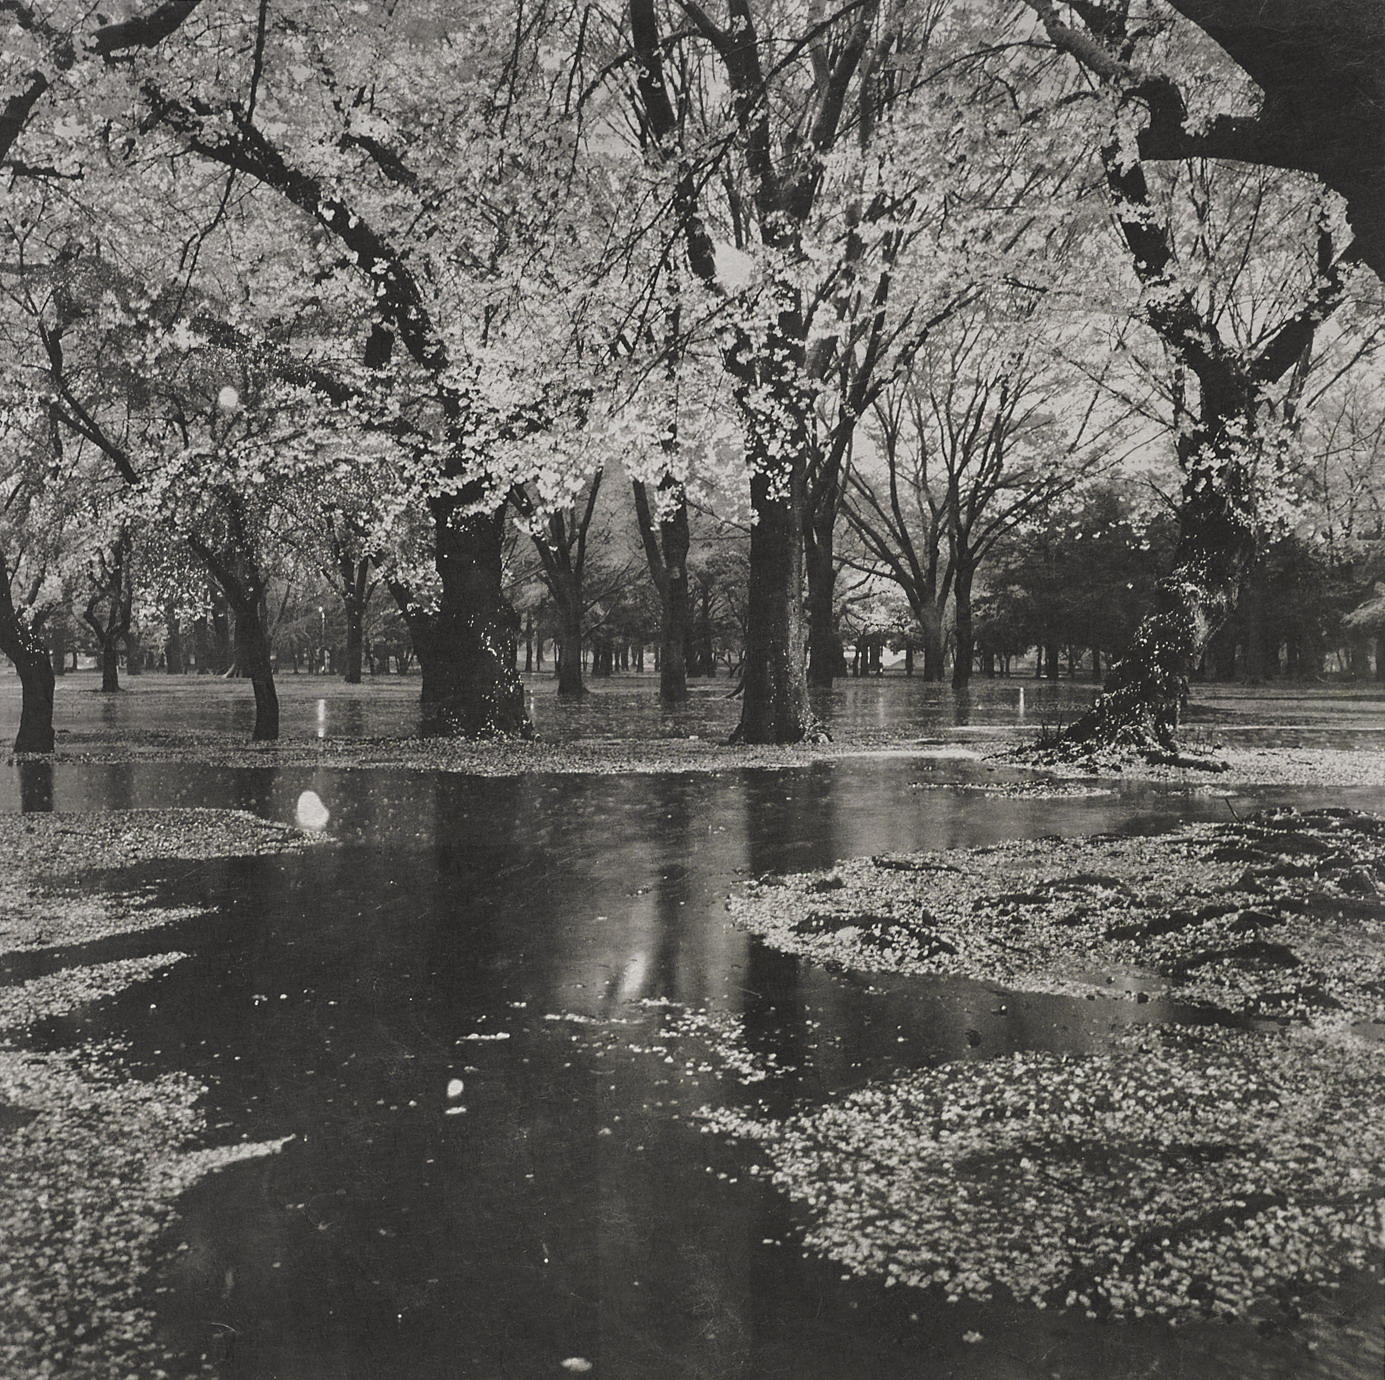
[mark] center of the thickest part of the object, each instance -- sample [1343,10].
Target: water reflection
[559,944]
[35,778]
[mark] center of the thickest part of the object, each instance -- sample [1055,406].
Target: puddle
[559,947]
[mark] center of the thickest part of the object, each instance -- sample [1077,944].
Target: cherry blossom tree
[1238,322]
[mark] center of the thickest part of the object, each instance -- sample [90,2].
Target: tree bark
[26,648]
[964,630]
[666,555]
[174,663]
[356,590]
[826,655]
[465,647]
[1144,695]
[570,684]
[774,706]
[243,588]
[256,663]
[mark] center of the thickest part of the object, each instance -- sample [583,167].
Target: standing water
[488,1015]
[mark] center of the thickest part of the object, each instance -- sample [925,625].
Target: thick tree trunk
[931,624]
[26,648]
[110,666]
[36,704]
[774,706]
[570,684]
[465,647]
[57,646]
[355,644]
[964,630]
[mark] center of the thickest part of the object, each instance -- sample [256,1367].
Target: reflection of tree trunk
[22,642]
[35,786]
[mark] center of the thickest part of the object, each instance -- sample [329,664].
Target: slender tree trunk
[242,588]
[666,555]
[702,662]
[356,590]
[174,663]
[221,653]
[673,608]
[255,661]
[826,656]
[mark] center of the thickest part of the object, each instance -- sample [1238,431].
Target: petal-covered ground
[93,1158]
[1281,915]
[1185,1173]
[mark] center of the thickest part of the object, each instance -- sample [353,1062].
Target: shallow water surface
[558,947]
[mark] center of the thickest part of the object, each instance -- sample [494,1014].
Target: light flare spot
[311,813]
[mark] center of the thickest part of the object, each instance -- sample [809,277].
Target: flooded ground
[490,1013]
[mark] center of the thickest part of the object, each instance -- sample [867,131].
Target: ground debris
[1278,915]
[92,1157]
[1186,1172]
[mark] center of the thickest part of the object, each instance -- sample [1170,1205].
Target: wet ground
[489,1014]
